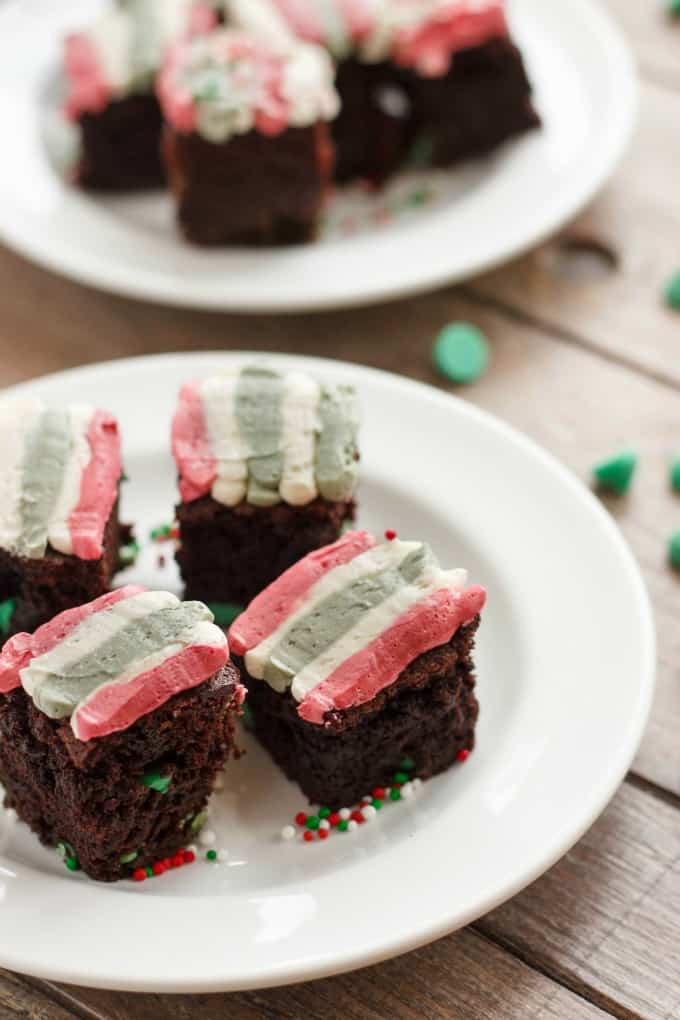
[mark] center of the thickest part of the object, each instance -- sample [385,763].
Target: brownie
[229,554]
[94,796]
[253,189]
[427,715]
[45,586]
[121,146]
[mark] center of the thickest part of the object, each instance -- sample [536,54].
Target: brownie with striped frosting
[115,719]
[358,657]
[60,470]
[267,463]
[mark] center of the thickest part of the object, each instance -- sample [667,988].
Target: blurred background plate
[447,225]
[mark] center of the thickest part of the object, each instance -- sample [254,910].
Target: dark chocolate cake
[105,755]
[358,658]
[267,466]
[59,531]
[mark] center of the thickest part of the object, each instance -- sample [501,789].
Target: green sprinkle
[155,781]
[407,764]
[72,863]
[124,477]
[616,473]
[7,609]
[324,812]
[674,550]
[149,871]
[377,804]
[342,825]
[312,822]
[199,821]
[673,8]
[672,290]
[400,777]
[675,473]
[127,554]
[224,612]
[161,532]
[211,855]
[64,849]
[461,352]
[395,794]
[129,858]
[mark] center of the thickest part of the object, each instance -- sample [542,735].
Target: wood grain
[461,976]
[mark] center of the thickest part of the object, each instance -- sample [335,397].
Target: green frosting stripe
[48,447]
[58,693]
[337,614]
[336,466]
[259,396]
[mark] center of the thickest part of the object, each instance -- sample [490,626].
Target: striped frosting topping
[59,473]
[266,437]
[338,636]
[106,664]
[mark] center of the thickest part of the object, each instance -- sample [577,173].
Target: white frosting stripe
[17,420]
[371,626]
[375,559]
[58,529]
[299,411]
[228,446]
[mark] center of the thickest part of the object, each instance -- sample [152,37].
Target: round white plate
[566,671]
[425,230]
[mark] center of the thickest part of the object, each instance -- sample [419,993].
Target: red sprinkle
[308,836]
[158,867]
[300,818]
[177,860]
[334,818]
[378,793]
[139,874]
[390,534]
[174,532]
[463,754]
[323,833]
[189,856]
[357,817]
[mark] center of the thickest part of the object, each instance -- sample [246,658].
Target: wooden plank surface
[585,360]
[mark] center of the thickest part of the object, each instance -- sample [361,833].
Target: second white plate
[425,230]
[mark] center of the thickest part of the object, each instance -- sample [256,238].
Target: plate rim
[162,289]
[397,944]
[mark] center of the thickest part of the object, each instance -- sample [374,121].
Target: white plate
[474,218]
[566,666]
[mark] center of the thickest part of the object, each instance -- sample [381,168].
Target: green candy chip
[616,473]
[155,781]
[674,550]
[672,291]
[7,609]
[224,612]
[461,353]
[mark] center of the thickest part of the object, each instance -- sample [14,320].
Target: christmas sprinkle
[155,781]
[211,855]
[461,353]
[207,837]
[674,550]
[127,554]
[673,7]
[7,609]
[224,612]
[165,533]
[674,473]
[616,473]
[390,534]
[159,867]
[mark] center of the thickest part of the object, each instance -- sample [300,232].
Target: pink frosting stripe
[458,25]
[424,626]
[190,444]
[88,89]
[270,608]
[357,17]
[98,487]
[21,649]
[117,706]
[302,18]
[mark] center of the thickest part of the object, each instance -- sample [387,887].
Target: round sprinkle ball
[223,855]
[344,813]
[352,825]
[672,289]
[674,550]
[461,352]
[207,837]
[288,832]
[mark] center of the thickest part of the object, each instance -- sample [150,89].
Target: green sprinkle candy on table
[211,855]
[673,8]
[6,613]
[674,473]
[672,291]
[674,550]
[461,352]
[616,473]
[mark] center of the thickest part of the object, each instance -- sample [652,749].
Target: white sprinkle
[192,847]
[366,799]
[324,824]
[352,825]
[288,832]
[416,783]
[369,812]
[223,855]
[219,782]
[207,837]
[407,790]
[11,814]
[344,813]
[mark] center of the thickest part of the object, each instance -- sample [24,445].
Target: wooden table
[586,359]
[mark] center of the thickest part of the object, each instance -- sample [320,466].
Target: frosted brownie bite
[247,143]
[357,658]
[60,470]
[267,464]
[115,718]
